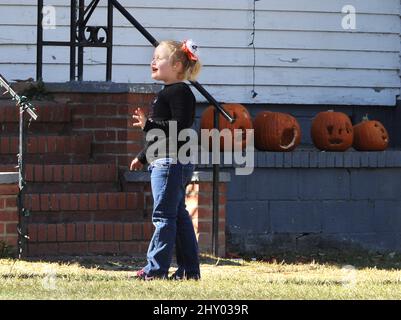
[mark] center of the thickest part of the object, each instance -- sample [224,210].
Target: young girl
[173,63]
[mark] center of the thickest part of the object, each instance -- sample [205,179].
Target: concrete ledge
[320,159]
[313,158]
[198,176]
[102,87]
[8,177]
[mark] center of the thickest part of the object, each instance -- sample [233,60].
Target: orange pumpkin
[276,131]
[332,131]
[243,121]
[370,135]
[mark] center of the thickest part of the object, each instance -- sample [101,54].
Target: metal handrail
[79,41]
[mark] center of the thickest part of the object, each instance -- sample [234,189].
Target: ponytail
[193,71]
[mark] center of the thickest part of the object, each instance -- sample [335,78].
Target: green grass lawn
[297,277]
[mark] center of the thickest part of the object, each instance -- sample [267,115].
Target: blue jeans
[173,225]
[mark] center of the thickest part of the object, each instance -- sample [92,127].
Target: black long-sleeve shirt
[175,102]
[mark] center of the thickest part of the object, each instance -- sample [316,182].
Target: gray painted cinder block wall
[278,208]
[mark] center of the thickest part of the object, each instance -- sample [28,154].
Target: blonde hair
[191,69]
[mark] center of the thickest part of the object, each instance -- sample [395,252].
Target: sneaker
[176,276]
[184,276]
[141,275]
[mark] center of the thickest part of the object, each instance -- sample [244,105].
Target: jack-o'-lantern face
[370,135]
[276,131]
[332,131]
[338,133]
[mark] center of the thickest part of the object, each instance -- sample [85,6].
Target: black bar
[68,44]
[73,32]
[135,23]
[92,7]
[56,43]
[216,173]
[92,45]
[109,59]
[21,177]
[212,101]
[81,33]
[89,6]
[39,42]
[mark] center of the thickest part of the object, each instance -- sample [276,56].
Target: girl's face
[162,67]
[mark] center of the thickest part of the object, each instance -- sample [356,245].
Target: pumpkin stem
[365,118]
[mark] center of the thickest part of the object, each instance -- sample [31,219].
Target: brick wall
[199,201]
[62,225]
[8,211]
[107,119]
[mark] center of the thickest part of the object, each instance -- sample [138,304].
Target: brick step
[9,161]
[71,173]
[88,238]
[77,145]
[132,215]
[47,111]
[91,231]
[72,187]
[77,202]
[121,248]
[12,128]
[8,167]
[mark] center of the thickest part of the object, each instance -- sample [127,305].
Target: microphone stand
[24,106]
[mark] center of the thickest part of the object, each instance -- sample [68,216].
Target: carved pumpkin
[242,121]
[276,131]
[370,135]
[332,131]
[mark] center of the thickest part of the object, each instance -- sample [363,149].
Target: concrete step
[84,202]
[10,161]
[77,238]
[78,178]
[77,145]
[56,112]
[12,128]
[73,187]
[71,173]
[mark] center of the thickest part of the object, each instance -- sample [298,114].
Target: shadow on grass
[123,263]
[100,262]
[359,259]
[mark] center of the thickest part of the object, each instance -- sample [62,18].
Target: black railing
[78,41]
[24,107]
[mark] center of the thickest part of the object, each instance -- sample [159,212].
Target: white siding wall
[303,55]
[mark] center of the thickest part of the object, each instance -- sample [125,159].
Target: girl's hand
[140,117]
[135,165]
